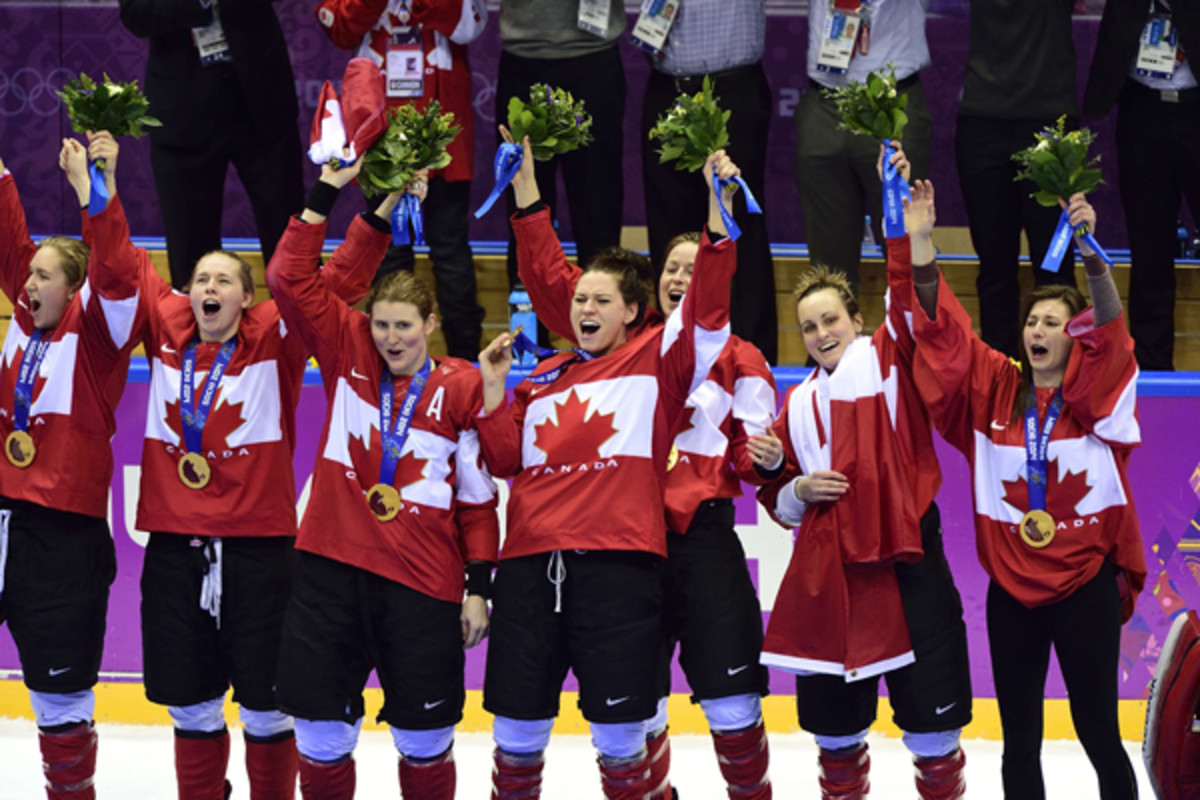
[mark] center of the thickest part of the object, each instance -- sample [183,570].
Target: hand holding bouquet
[414,140]
[554,121]
[691,130]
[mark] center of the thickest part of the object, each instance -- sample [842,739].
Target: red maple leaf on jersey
[410,470]
[575,437]
[223,419]
[687,421]
[1061,496]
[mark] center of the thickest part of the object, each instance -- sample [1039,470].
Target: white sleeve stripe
[709,345]
[671,331]
[118,314]
[754,404]
[1122,425]
[789,508]
[472,483]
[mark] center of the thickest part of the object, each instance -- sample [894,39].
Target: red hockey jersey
[448,512]
[736,400]
[838,610]
[970,390]
[250,434]
[445,29]
[589,451]
[82,376]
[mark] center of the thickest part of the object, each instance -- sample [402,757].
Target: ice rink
[135,762]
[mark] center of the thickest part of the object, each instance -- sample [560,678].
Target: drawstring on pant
[210,589]
[556,573]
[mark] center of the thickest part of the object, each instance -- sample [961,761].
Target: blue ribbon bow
[508,160]
[1062,239]
[895,190]
[752,206]
[408,210]
[98,199]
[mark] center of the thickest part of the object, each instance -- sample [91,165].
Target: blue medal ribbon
[394,436]
[508,160]
[895,190]
[731,228]
[31,364]
[406,211]
[1037,445]
[523,344]
[193,416]
[98,199]
[1052,262]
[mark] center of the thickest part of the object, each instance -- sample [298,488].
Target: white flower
[1044,144]
[114,89]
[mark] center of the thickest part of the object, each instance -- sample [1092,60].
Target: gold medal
[20,449]
[194,471]
[1037,528]
[672,457]
[384,502]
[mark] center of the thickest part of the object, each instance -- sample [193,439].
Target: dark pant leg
[191,190]
[1020,650]
[270,171]
[1087,640]
[446,209]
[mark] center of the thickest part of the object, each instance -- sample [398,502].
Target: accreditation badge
[593,16]
[1037,528]
[210,41]
[20,449]
[839,36]
[384,501]
[194,471]
[405,64]
[1157,48]
[653,25]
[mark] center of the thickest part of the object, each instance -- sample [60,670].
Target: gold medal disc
[20,449]
[672,458]
[384,502]
[194,471]
[1037,528]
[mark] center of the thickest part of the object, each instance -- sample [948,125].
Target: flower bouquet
[691,130]
[876,108]
[119,108]
[414,140]
[554,121]
[1058,165]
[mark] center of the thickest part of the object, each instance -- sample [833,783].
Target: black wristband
[479,579]
[532,208]
[377,222]
[321,198]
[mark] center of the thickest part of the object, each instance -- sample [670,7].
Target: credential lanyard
[394,436]
[191,415]
[1037,445]
[31,364]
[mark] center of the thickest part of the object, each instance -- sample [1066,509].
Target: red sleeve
[1100,383]
[347,22]
[500,440]
[349,272]
[16,248]
[304,301]
[85,226]
[900,298]
[544,270]
[478,532]
[441,15]
[791,464]
[754,399]
[475,496]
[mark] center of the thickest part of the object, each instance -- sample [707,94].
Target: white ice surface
[135,762]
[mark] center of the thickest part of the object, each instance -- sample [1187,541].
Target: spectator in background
[835,169]
[546,41]
[723,41]
[1020,79]
[219,78]
[436,32]
[1158,151]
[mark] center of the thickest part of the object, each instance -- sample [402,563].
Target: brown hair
[631,271]
[245,271]
[401,287]
[72,257]
[1074,301]
[688,237]
[820,277]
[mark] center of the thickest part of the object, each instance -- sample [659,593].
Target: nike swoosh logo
[434,704]
[166,349]
[608,701]
[943,709]
[731,671]
[60,671]
[997,426]
[354,373]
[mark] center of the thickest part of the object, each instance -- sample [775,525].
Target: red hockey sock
[429,778]
[200,762]
[625,778]
[743,757]
[271,765]
[516,777]
[658,751]
[843,774]
[327,781]
[941,778]
[69,762]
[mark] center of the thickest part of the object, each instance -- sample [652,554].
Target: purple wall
[43,42]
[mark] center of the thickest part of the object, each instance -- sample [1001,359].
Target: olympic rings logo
[28,91]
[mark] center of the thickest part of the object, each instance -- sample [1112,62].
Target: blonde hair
[401,287]
[73,257]
[821,277]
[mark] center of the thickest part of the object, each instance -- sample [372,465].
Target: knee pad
[932,745]
[659,721]
[620,739]
[423,744]
[264,724]
[841,742]
[326,741]
[206,717]
[52,709]
[521,736]
[734,713]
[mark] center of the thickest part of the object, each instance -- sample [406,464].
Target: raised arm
[16,248]
[498,425]
[752,447]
